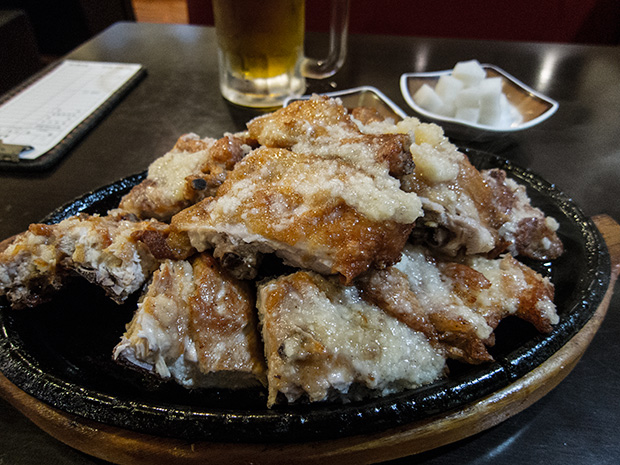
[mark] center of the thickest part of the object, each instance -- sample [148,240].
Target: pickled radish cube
[505,104]
[469,72]
[447,109]
[468,114]
[490,115]
[490,101]
[427,98]
[448,87]
[491,87]
[467,98]
[510,115]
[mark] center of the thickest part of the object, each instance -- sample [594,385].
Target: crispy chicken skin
[323,341]
[301,120]
[367,115]
[527,231]
[116,251]
[30,268]
[318,213]
[197,325]
[470,211]
[191,171]
[458,304]
[315,125]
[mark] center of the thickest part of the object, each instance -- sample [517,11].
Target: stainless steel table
[578,149]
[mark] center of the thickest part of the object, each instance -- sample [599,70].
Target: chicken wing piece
[30,268]
[314,212]
[191,171]
[196,325]
[458,304]
[527,230]
[323,341]
[107,251]
[300,121]
[116,252]
[313,126]
[467,211]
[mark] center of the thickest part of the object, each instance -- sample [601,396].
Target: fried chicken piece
[367,115]
[458,304]
[196,325]
[516,290]
[30,269]
[323,341]
[527,230]
[458,210]
[302,120]
[468,211]
[314,212]
[190,172]
[459,214]
[314,126]
[116,252]
[417,294]
[106,250]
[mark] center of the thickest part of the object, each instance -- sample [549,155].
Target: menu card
[38,118]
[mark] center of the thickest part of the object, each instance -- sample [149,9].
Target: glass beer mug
[261,49]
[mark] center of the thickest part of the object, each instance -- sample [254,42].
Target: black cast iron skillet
[60,352]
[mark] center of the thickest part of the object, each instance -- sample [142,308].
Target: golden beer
[260,39]
[260,49]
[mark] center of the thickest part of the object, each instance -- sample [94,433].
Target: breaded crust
[196,325]
[323,341]
[527,230]
[458,303]
[316,213]
[191,171]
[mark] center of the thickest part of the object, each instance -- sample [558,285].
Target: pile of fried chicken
[323,253]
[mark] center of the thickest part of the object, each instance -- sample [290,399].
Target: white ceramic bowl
[533,106]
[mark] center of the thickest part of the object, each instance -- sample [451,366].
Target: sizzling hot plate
[60,352]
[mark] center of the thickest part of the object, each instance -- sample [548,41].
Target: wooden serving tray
[126,447]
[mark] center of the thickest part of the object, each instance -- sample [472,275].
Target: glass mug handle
[320,69]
